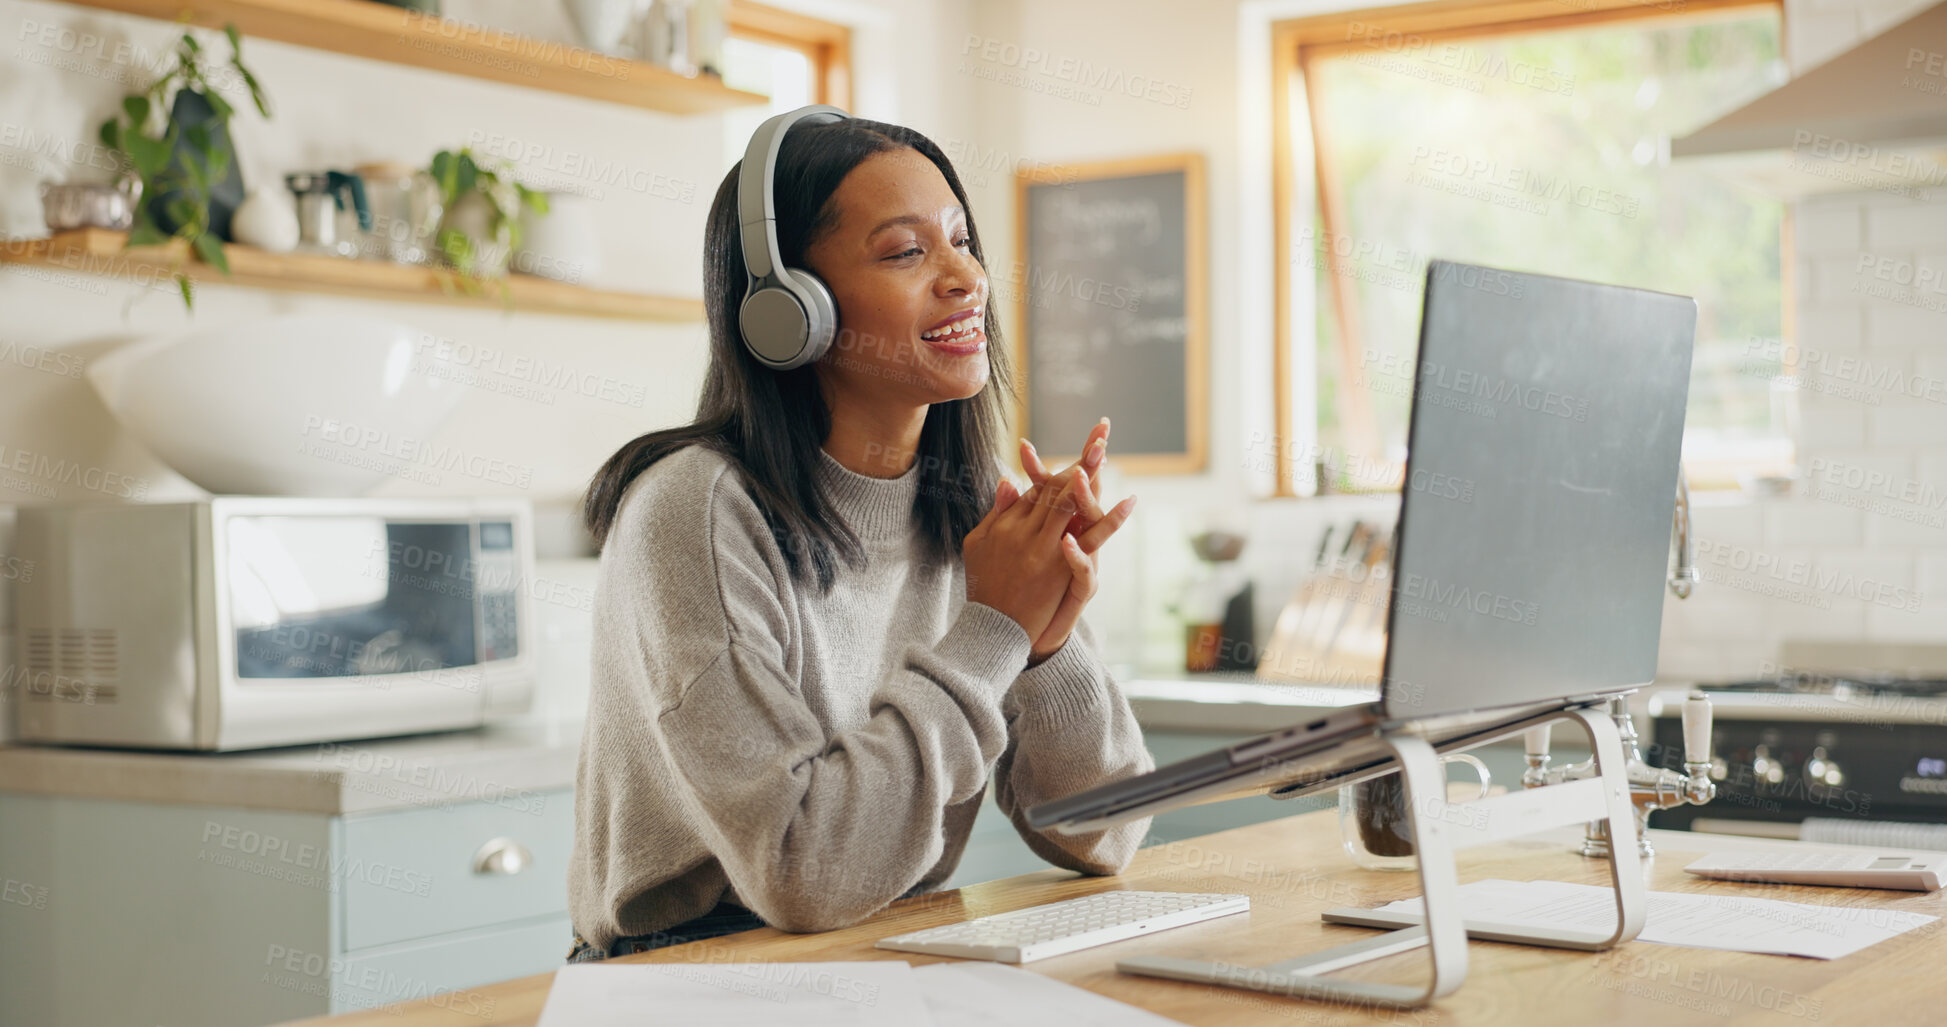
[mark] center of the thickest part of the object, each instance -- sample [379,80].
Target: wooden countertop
[1293,870]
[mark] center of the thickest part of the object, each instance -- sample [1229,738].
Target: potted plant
[482,225]
[184,159]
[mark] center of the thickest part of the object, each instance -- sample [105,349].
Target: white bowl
[301,405]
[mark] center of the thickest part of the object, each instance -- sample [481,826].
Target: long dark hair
[771,424]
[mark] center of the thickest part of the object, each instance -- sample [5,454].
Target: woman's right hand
[1020,559]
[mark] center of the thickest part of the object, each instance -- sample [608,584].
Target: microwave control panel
[499,579]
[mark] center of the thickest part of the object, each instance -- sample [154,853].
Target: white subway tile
[1729,520]
[1906,526]
[1824,423]
[1825,228]
[1831,326]
[1890,325]
[1709,659]
[1926,623]
[1902,421]
[1811,522]
[1852,468]
[1933,471]
[1933,572]
[1905,225]
[1835,280]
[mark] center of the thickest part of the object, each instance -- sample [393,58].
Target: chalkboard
[1110,294]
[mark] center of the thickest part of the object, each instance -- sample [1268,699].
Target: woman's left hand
[1090,526]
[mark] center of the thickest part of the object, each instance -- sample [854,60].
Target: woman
[823,616]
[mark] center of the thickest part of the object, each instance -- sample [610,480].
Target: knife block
[1333,630]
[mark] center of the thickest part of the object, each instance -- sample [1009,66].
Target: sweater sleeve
[814,833]
[1070,729]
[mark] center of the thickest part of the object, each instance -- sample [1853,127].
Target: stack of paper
[1705,921]
[871,994]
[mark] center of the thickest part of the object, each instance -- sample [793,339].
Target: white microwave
[244,622]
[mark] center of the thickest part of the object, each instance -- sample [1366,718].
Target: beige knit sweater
[812,757]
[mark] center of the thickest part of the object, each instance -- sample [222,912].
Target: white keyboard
[1842,869]
[1061,927]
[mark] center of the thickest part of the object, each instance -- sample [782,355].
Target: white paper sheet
[992,995]
[1734,922]
[869,994]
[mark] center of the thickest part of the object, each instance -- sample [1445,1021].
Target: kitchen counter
[491,763]
[499,760]
[533,756]
[1233,703]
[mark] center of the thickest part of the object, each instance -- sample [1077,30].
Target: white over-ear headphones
[787,318]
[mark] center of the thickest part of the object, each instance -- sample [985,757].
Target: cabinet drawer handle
[503,856]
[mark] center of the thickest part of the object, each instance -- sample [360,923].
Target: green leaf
[188,291]
[256,91]
[198,136]
[211,250]
[219,164]
[218,105]
[190,44]
[536,200]
[137,108]
[194,168]
[236,38]
[446,172]
[184,213]
[111,134]
[467,175]
[150,156]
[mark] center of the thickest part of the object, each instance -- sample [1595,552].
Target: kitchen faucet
[1650,788]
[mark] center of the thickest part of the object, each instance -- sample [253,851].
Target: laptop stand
[1439,828]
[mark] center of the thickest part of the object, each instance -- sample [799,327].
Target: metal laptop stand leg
[1439,828]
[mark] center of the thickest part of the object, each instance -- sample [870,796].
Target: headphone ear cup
[821,314]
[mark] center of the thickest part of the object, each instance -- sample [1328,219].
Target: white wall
[925,64]
[1859,552]
[1219,51]
[63,69]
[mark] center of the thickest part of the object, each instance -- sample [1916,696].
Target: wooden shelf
[95,251]
[381,32]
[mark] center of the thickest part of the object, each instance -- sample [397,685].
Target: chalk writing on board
[1107,326]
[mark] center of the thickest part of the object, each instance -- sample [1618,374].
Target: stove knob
[1823,770]
[1765,767]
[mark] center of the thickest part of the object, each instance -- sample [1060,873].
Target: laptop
[1558,407]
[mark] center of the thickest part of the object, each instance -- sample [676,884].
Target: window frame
[1296,42]
[826,45]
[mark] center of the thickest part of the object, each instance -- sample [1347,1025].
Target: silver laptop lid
[1541,475]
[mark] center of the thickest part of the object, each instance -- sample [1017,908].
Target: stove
[1864,743]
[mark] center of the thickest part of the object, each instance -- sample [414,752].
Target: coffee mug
[1372,817]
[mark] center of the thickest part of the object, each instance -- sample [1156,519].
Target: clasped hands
[1033,557]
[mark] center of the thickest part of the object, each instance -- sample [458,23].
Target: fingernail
[1095,452]
[1028,444]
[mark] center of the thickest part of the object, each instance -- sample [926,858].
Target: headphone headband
[756,202]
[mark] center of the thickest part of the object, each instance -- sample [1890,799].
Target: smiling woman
[822,614]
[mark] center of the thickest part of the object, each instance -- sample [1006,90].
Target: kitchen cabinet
[161,913]
[257,887]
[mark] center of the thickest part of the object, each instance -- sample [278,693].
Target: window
[791,58]
[1540,146]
